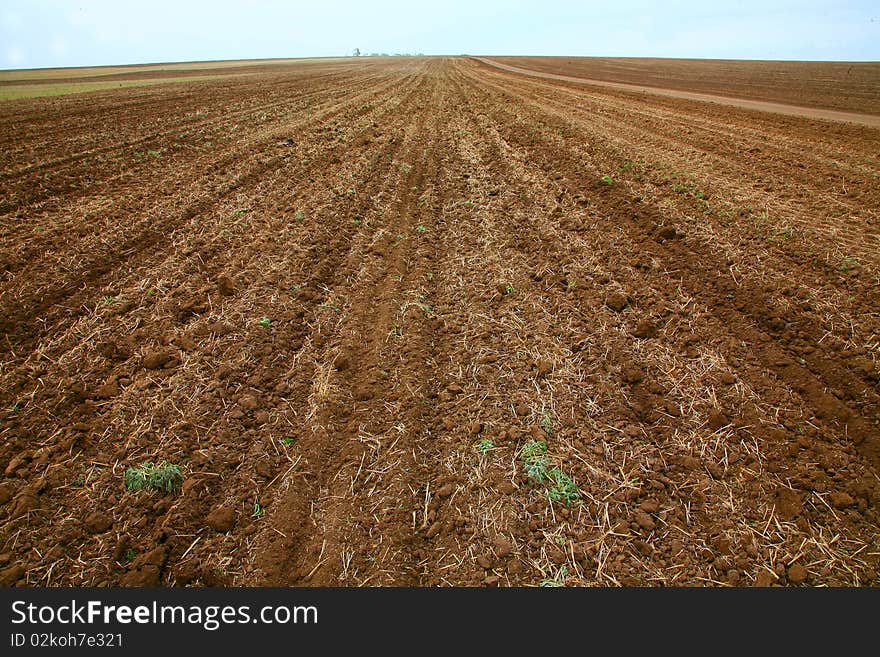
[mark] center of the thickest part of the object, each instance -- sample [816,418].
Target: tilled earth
[353,301]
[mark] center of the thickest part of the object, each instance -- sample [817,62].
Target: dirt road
[871,120]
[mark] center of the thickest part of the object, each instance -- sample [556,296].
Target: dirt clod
[841,500]
[221,519]
[9,576]
[717,420]
[645,521]
[225,285]
[97,522]
[797,574]
[616,301]
[645,329]
[158,358]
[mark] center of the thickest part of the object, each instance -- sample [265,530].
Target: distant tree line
[357,53]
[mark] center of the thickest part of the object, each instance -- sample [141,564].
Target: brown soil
[848,86]
[344,298]
[870,120]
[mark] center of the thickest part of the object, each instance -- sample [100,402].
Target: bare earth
[845,86]
[423,321]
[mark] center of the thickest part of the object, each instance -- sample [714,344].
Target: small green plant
[558,580]
[130,554]
[258,510]
[564,489]
[164,476]
[608,180]
[15,408]
[240,213]
[295,288]
[509,289]
[420,229]
[626,166]
[468,204]
[299,216]
[781,235]
[265,322]
[547,424]
[429,276]
[485,446]
[849,263]
[534,460]
[289,440]
[108,300]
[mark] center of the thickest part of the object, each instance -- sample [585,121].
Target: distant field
[851,86]
[19,91]
[15,85]
[99,71]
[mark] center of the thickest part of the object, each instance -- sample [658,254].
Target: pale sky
[49,33]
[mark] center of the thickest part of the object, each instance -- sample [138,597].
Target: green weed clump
[534,460]
[564,489]
[165,477]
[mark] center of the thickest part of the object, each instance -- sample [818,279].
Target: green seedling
[485,446]
[165,477]
[429,276]
[534,461]
[626,166]
[258,510]
[420,229]
[299,216]
[265,322]
[509,289]
[564,489]
[558,580]
[608,180]
[849,263]
[547,424]
[289,440]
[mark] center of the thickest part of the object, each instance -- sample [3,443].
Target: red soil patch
[350,303]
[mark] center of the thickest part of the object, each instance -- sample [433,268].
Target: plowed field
[421,321]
